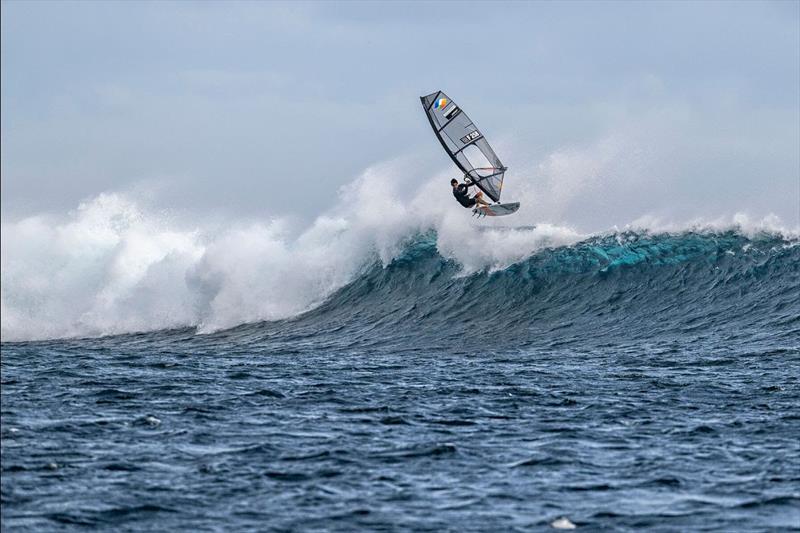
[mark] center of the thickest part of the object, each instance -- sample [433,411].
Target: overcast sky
[257,107]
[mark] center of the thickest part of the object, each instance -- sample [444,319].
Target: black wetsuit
[462,195]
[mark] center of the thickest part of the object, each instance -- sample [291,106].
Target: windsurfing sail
[464,143]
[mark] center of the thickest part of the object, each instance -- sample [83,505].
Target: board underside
[496,210]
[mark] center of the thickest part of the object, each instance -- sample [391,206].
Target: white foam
[741,222]
[562,523]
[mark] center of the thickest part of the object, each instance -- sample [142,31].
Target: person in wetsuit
[461,192]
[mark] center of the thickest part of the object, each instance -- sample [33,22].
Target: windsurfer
[461,192]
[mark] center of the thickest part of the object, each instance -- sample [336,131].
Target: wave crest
[111,267]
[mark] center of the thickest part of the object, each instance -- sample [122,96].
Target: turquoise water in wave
[628,382]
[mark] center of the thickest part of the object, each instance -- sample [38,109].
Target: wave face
[613,288]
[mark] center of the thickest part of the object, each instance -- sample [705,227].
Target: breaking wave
[111,267]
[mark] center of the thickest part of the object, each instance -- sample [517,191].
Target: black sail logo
[471,136]
[450,112]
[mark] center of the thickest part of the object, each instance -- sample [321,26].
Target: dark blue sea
[628,382]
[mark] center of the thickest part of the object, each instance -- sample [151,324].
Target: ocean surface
[627,382]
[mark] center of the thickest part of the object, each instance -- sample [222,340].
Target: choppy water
[627,382]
